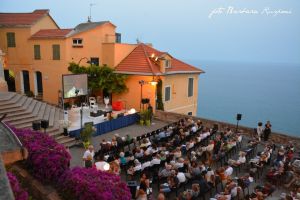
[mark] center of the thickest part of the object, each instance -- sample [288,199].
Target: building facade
[38,53]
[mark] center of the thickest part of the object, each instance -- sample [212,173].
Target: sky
[187,29]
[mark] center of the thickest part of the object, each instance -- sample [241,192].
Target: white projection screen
[74,85]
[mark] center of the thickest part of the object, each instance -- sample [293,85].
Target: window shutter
[37,52]
[191,87]
[11,42]
[56,52]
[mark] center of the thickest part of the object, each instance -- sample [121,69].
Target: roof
[21,19]
[138,62]
[64,33]
[51,33]
[87,26]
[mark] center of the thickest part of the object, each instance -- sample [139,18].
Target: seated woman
[173,182]
[141,194]
[239,161]
[223,195]
[145,183]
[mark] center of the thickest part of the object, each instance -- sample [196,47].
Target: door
[39,83]
[10,79]
[26,84]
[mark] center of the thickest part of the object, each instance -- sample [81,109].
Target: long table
[110,125]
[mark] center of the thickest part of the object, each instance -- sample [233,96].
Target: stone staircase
[22,111]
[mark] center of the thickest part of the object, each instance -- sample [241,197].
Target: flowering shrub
[90,184]
[47,159]
[19,193]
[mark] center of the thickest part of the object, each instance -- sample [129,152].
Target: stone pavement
[133,130]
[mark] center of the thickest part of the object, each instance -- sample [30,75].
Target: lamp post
[142,83]
[87,60]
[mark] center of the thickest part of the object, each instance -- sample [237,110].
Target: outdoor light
[132,111]
[153,82]
[152,55]
[156,58]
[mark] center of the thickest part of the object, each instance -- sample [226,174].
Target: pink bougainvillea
[18,191]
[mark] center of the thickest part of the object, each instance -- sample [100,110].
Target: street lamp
[87,60]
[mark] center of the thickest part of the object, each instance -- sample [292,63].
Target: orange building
[38,53]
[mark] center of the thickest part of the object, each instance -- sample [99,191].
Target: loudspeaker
[44,124]
[36,125]
[145,101]
[238,116]
[66,132]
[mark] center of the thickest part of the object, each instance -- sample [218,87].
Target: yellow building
[38,53]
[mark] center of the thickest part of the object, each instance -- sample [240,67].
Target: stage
[101,123]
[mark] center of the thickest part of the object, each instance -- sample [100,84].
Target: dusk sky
[184,28]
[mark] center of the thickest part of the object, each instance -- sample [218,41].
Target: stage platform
[101,123]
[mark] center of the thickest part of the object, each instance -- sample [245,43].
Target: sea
[258,91]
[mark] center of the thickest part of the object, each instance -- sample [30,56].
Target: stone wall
[35,187]
[277,138]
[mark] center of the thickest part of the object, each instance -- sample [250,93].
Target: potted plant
[142,117]
[147,117]
[86,134]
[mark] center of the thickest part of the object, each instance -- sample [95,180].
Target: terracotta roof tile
[21,19]
[139,62]
[51,33]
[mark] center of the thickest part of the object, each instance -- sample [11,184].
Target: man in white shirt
[146,164]
[228,170]
[181,177]
[155,160]
[89,153]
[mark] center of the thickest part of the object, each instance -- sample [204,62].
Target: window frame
[170,96]
[190,113]
[77,44]
[192,87]
[11,39]
[91,58]
[169,63]
[37,57]
[53,52]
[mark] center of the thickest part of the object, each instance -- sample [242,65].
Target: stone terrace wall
[277,138]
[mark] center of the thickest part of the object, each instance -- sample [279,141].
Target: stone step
[27,103]
[47,112]
[32,105]
[52,116]
[71,143]
[42,110]
[36,108]
[13,105]
[65,140]
[18,117]
[27,120]
[10,98]
[6,96]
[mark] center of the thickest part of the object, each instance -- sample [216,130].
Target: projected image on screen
[75,85]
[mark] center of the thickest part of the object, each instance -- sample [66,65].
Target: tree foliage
[101,78]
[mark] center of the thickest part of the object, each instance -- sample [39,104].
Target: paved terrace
[133,130]
[137,130]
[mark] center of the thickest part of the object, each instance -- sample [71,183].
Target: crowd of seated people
[185,152]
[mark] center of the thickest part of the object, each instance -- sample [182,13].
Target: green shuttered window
[56,51]
[11,41]
[37,52]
